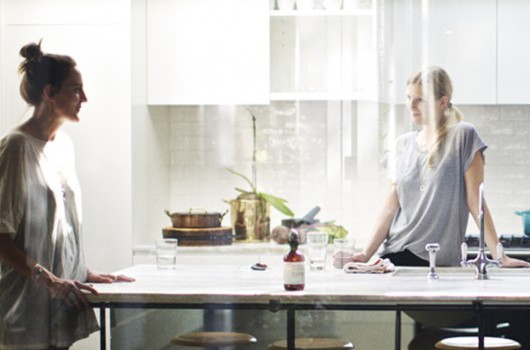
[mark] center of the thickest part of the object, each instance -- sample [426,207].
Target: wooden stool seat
[461,343]
[213,339]
[313,344]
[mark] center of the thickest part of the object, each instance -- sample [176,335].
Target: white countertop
[226,282]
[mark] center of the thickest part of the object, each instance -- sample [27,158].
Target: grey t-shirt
[433,206]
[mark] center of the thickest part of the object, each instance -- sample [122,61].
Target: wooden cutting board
[199,236]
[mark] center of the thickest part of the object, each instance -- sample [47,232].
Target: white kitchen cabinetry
[460,36]
[462,40]
[323,54]
[513,53]
[207,52]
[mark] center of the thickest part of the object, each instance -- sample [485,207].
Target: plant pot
[250,216]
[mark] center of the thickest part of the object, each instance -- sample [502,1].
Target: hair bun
[31,52]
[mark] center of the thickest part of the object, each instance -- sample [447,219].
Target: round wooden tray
[199,236]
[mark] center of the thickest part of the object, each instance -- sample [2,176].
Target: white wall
[150,146]
[100,44]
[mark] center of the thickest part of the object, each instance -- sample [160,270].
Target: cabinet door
[513,52]
[208,52]
[323,55]
[462,40]
[459,36]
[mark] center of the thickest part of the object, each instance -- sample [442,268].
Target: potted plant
[250,211]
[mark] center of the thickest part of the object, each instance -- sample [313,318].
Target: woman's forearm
[13,256]
[383,222]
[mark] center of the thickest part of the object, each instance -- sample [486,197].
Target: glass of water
[317,244]
[166,253]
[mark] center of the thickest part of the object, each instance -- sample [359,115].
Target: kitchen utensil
[196,218]
[307,219]
[526,220]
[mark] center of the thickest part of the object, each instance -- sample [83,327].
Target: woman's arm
[71,292]
[474,176]
[97,277]
[382,225]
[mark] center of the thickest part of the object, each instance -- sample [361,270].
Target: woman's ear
[443,102]
[49,92]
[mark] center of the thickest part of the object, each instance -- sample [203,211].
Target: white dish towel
[378,266]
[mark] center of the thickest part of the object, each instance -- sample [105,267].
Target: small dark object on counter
[259,267]
[307,219]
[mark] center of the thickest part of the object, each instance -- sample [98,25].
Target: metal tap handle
[432,248]
[463,251]
[500,253]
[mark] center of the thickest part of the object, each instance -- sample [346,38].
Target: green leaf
[244,178]
[278,203]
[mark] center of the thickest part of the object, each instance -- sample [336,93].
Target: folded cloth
[379,266]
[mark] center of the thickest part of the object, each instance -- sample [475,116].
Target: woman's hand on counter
[360,257]
[96,277]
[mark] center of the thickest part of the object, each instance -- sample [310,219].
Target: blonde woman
[435,185]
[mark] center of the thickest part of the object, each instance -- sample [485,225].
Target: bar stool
[313,344]
[461,343]
[213,340]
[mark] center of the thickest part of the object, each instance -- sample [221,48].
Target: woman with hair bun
[43,275]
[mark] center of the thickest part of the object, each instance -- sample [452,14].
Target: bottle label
[294,272]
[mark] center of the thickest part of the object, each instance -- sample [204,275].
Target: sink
[459,271]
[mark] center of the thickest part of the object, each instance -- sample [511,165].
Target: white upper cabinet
[202,52]
[462,40]
[459,36]
[323,54]
[513,52]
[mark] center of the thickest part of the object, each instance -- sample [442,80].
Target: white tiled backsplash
[329,154]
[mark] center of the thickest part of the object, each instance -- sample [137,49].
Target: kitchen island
[229,285]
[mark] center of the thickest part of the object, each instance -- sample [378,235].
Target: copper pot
[196,218]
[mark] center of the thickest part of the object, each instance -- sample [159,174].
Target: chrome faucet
[432,248]
[481,262]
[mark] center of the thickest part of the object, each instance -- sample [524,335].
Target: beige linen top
[40,208]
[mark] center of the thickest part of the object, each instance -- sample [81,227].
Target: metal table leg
[398,331]
[290,328]
[103,328]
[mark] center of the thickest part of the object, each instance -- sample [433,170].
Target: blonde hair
[435,83]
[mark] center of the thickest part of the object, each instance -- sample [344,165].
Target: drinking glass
[166,253]
[317,243]
[343,251]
